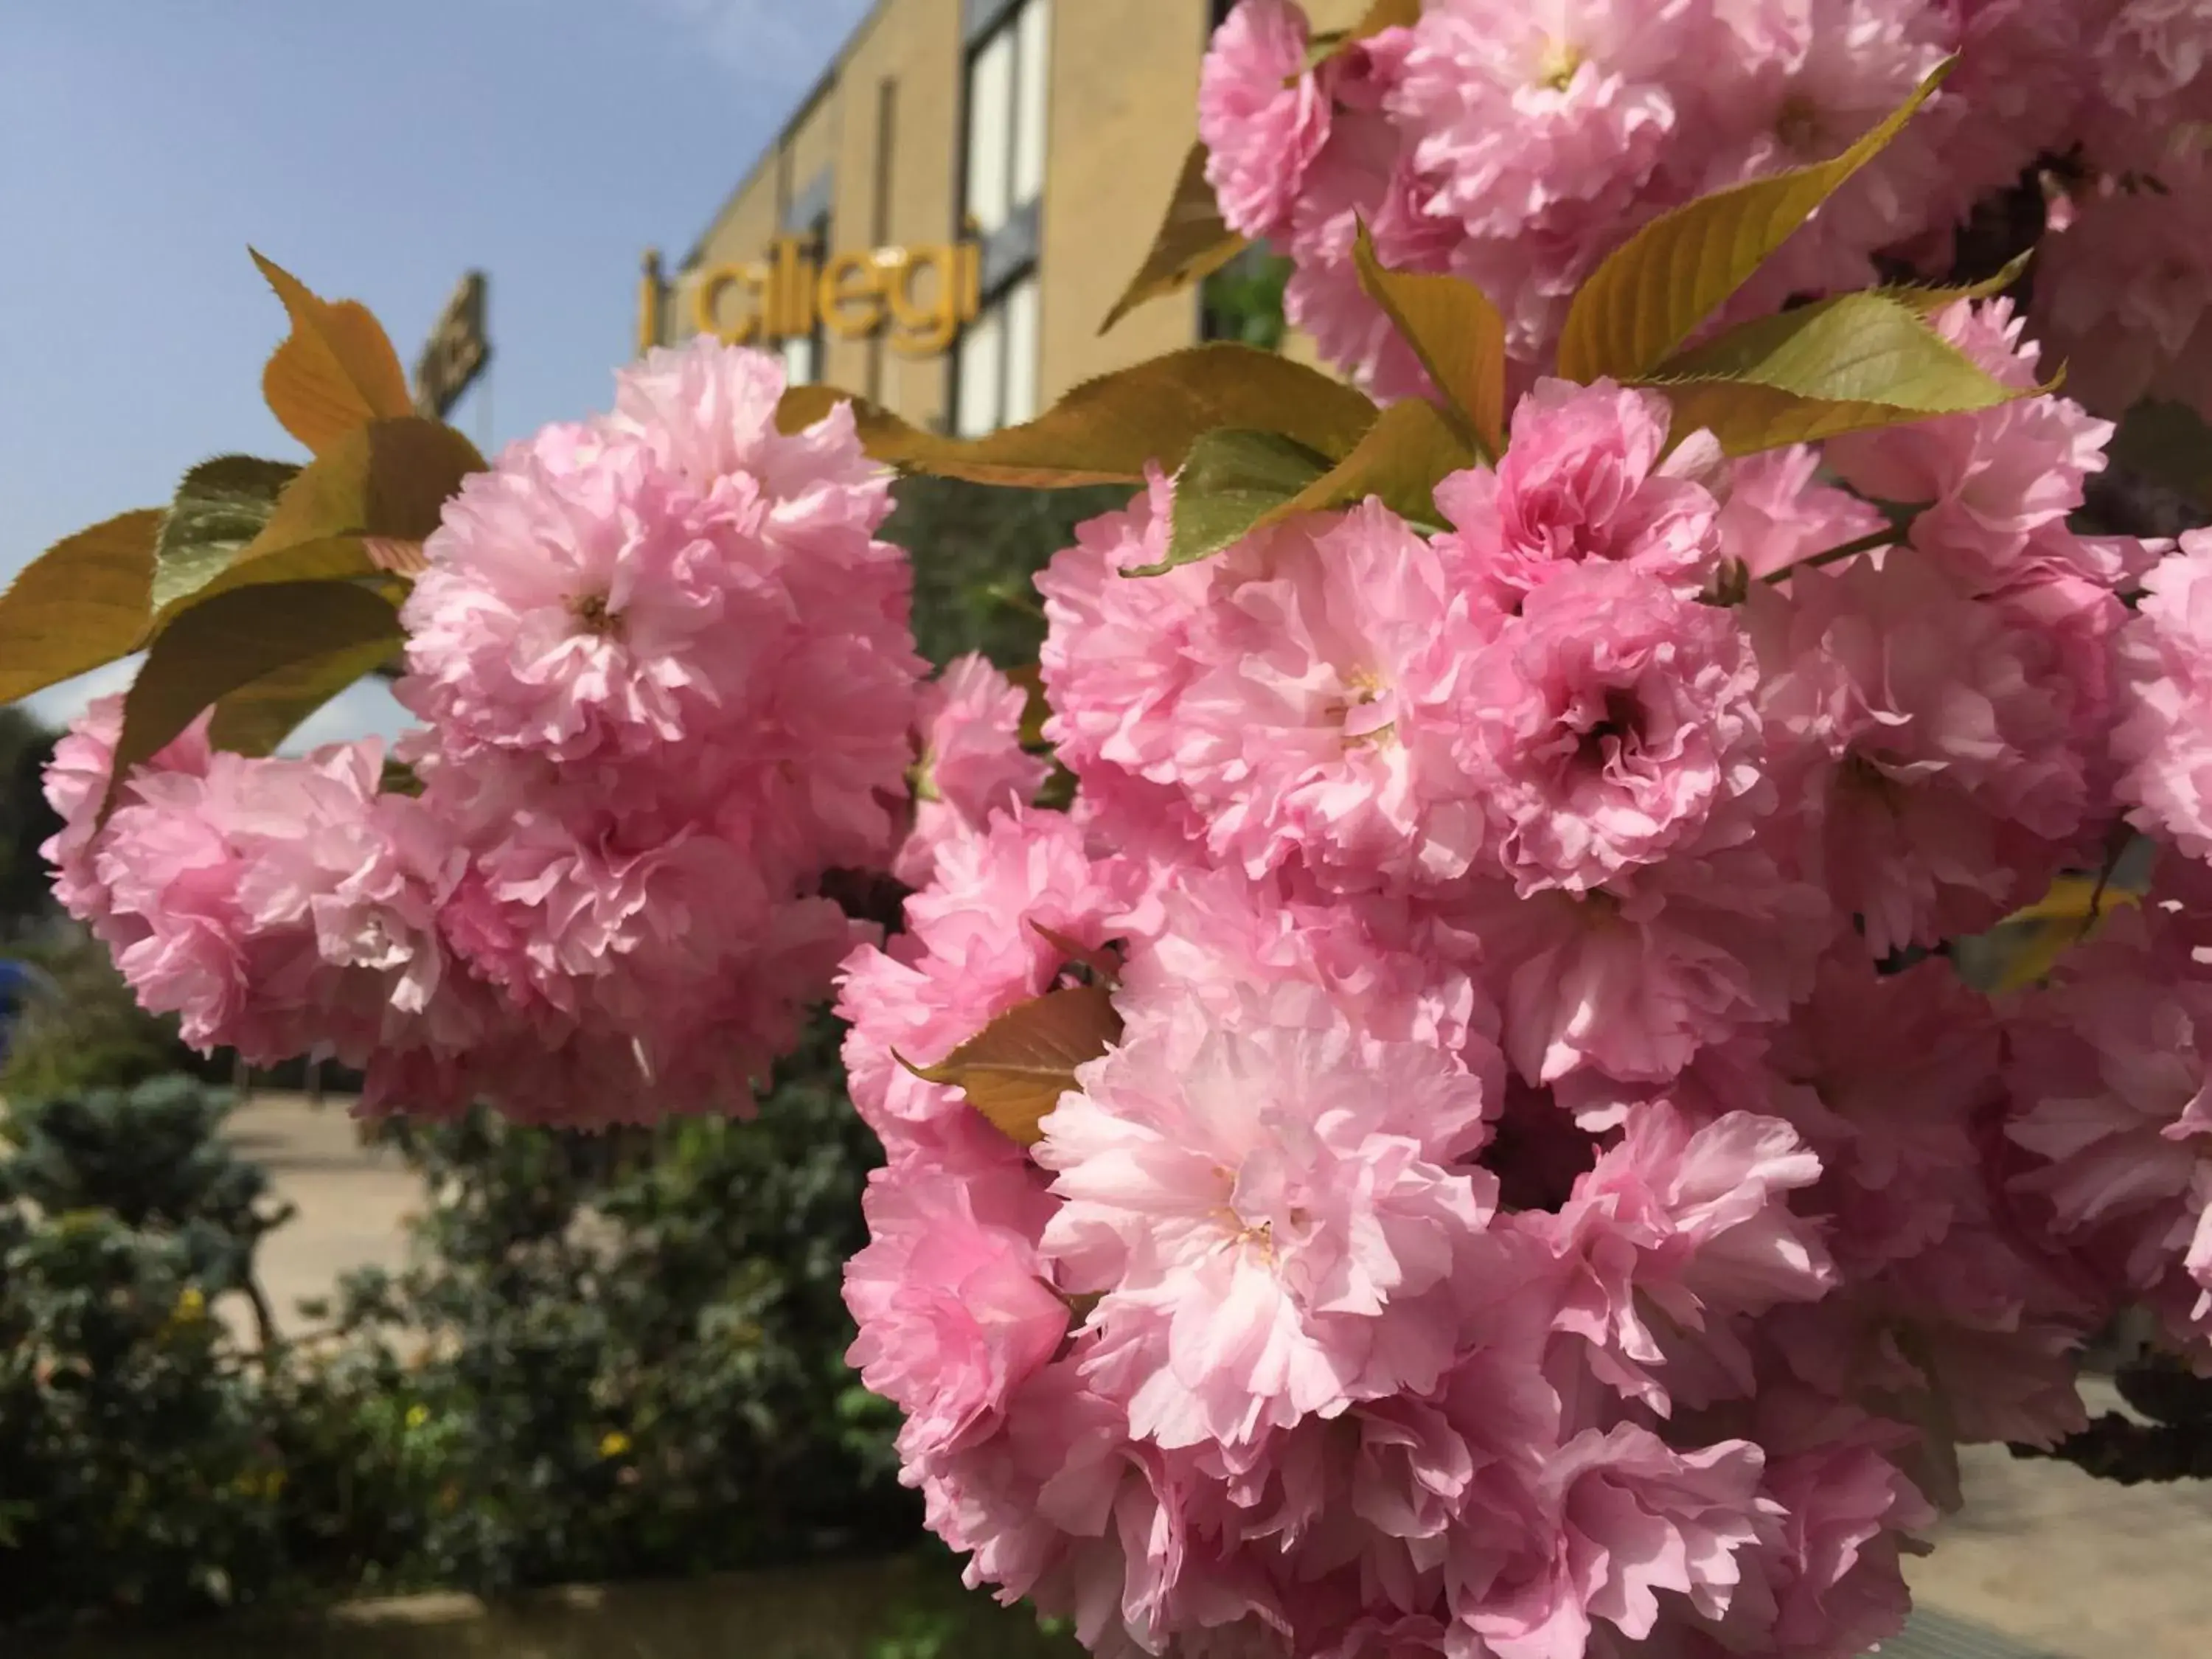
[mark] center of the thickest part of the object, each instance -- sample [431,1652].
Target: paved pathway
[2044,1563]
[2072,1567]
[353,1201]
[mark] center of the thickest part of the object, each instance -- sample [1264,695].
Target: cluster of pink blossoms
[665,677]
[1515,144]
[1550,1196]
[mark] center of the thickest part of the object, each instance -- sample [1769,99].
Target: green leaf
[2169,444]
[1230,480]
[337,369]
[1015,1070]
[233,641]
[1400,461]
[1107,430]
[1458,335]
[220,506]
[256,718]
[85,601]
[1652,291]
[362,506]
[1192,242]
[1841,365]
[1928,301]
[2025,947]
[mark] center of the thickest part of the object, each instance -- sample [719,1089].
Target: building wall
[896,189]
[1122,81]
[1124,114]
[741,231]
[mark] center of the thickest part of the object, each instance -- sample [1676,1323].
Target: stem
[2129,1454]
[265,1321]
[1886,537]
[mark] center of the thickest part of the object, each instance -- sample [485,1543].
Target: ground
[2044,1563]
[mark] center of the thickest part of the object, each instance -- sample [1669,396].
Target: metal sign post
[458,351]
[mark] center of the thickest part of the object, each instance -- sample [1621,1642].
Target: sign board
[456,352]
[916,298]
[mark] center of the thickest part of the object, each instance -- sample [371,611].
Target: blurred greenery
[628,1350]
[976,548]
[92,1034]
[1243,300]
[26,822]
[134,1461]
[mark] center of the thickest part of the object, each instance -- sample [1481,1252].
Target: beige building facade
[946,220]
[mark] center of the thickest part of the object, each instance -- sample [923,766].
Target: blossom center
[1556,68]
[1864,777]
[1365,724]
[592,610]
[1798,124]
[1616,726]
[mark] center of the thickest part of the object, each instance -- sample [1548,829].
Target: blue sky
[377,148]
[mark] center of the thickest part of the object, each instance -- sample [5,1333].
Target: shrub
[92,1034]
[137,1479]
[154,1158]
[974,549]
[628,1354]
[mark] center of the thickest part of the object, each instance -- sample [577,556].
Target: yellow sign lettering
[926,323]
[850,296]
[707,303]
[915,299]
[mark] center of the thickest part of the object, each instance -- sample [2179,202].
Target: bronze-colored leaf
[1108,430]
[1191,243]
[84,602]
[1380,14]
[1458,335]
[1015,1070]
[337,369]
[1650,293]
[1400,459]
[234,640]
[256,718]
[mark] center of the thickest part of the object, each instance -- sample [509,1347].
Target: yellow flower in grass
[614,1443]
[417,1416]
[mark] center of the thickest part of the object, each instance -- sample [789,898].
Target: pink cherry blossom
[1262,114]
[1627,1518]
[972,764]
[1324,720]
[1945,761]
[76,784]
[1261,1211]
[2164,739]
[1684,1227]
[1582,478]
[1631,980]
[953,1304]
[1617,726]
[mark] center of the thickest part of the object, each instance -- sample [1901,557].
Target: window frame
[1009,254]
